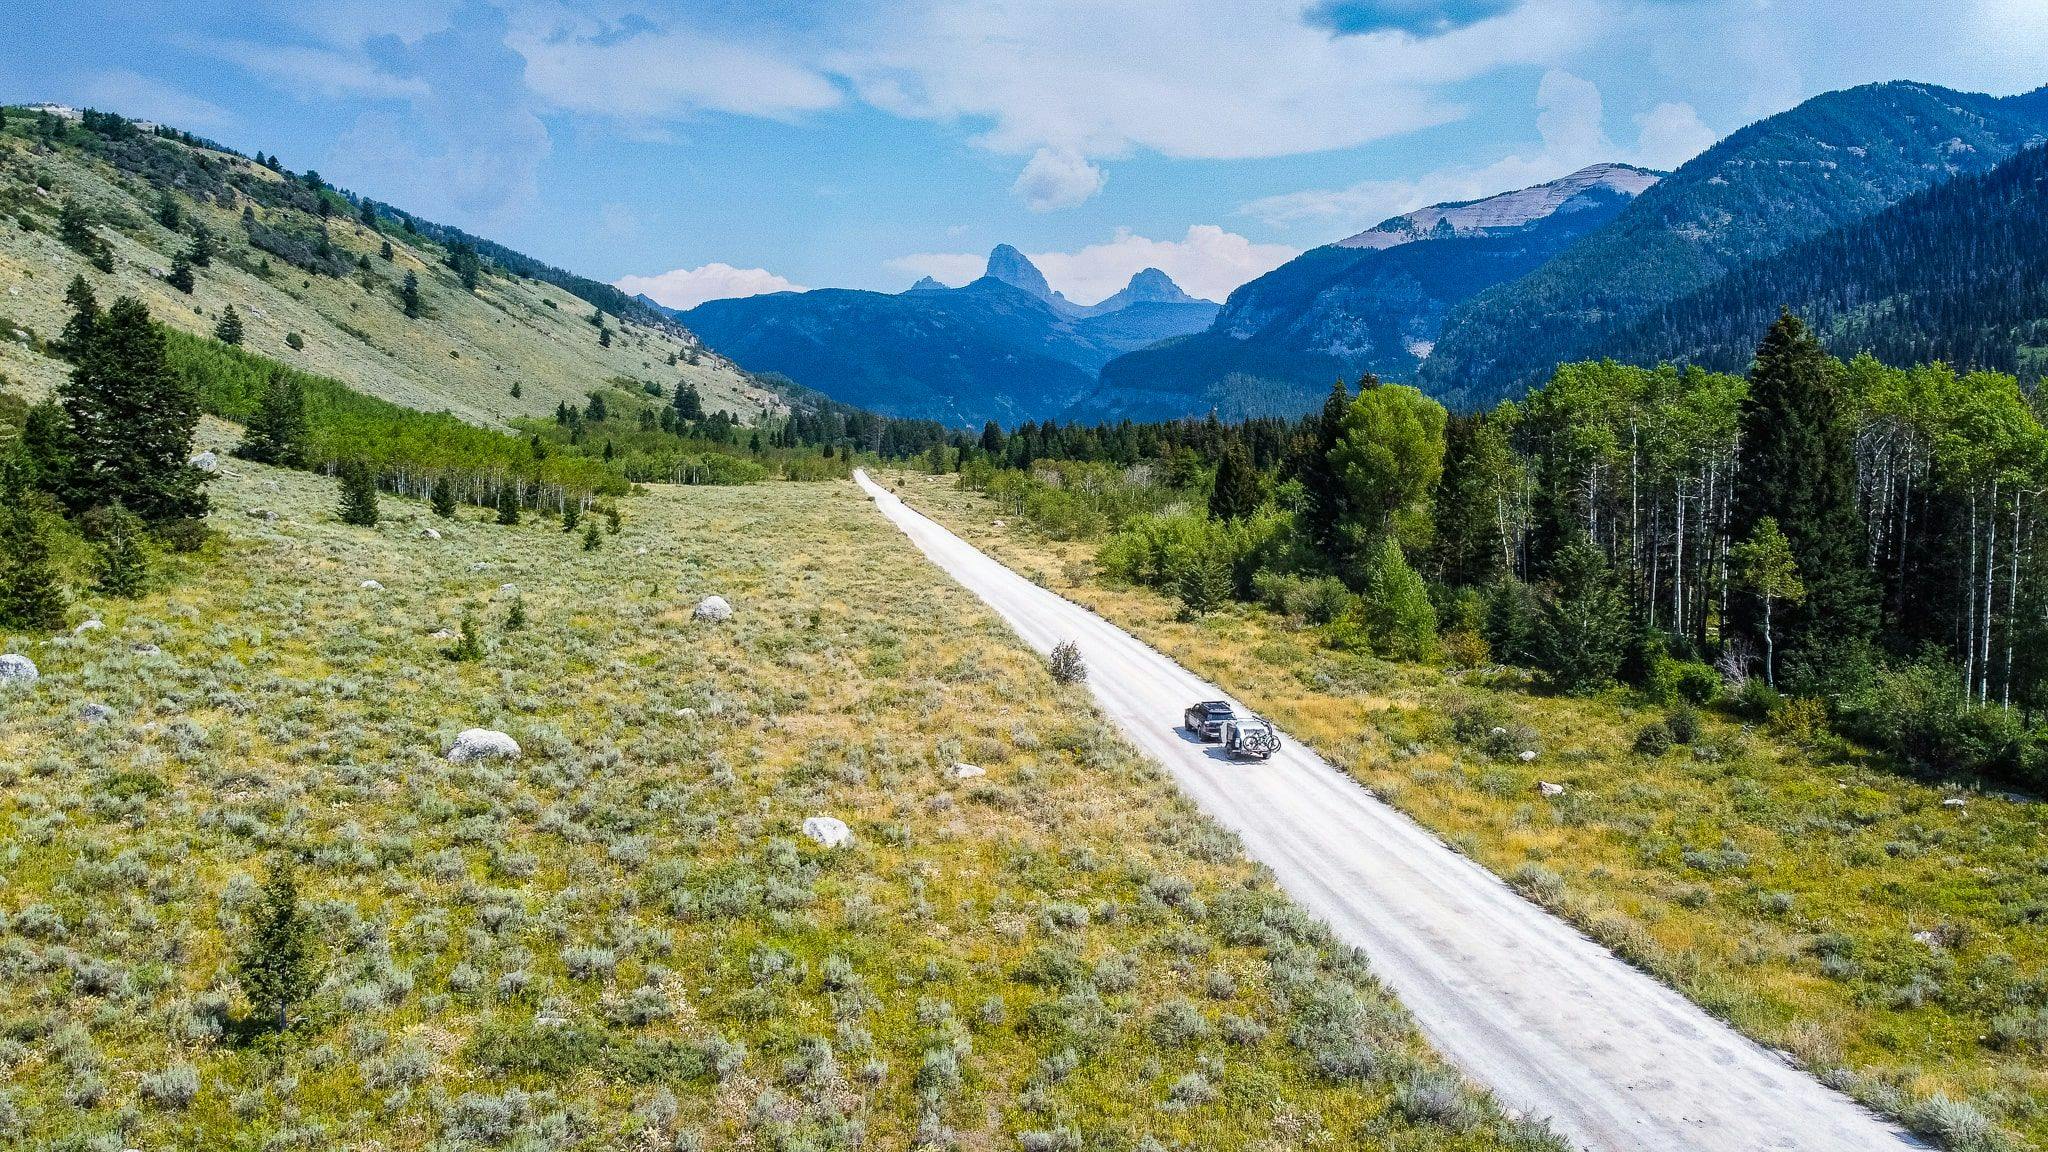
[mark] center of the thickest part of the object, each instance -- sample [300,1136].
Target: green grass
[621,939]
[1806,891]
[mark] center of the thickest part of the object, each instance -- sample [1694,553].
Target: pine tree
[200,255]
[1202,583]
[515,617]
[167,213]
[604,337]
[229,329]
[687,403]
[597,413]
[358,495]
[74,227]
[1399,618]
[409,295]
[132,420]
[31,598]
[278,432]
[85,314]
[1584,622]
[367,213]
[1326,508]
[443,497]
[470,648]
[611,519]
[508,505]
[122,567]
[275,962]
[992,438]
[384,251]
[592,538]
[572,515]
[180,276]
[1798,467]
[1236,491]
[515,389]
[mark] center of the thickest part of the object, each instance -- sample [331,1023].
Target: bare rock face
[713,609]
[830,831]
[20,671]
[483,744]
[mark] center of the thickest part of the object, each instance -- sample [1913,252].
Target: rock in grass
[430,533]
[20,670]
[205,462]
[1527,754]
[96,713]
[86,626]
[968,771]
[482,744]
[370,586]
[1954,802]
[715,609]
[830,831]
[1549,789]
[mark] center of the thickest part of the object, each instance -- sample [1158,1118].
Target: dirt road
[1552,1022]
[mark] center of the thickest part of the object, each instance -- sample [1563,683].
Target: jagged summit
[926,284]
[1016,269]
[1507,210]
[1148,286]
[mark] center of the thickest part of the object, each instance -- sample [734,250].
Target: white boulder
[205,462]
[714,609]
[508,589]
[370,586]
[85,626]
[430,533]
[17,670]
[1954,802]
[968,771]
[1549,789]
[482,744]
[441,634]
[830,831]
[1526,755]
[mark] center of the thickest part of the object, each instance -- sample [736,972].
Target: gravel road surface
[1555,1024]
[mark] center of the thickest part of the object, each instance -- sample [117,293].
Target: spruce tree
[200,255]
[229,329]
[132,420]
[167,213]
[687,403]
[1584,627]
[1236,492]
[358,495]
[443,497]
[31,598]
[1798,467]
[592,539]
[275,962]
[470,648]
[384,251]
[122,567]
[181,275]
[278,432]
[515,617]
[1326,508]
[508,505]
[85,314]
[572,515]
[409,295]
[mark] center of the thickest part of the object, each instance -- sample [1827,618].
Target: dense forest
[1813,543]
[1957,273]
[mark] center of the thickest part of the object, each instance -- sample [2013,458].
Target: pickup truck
[1207,719]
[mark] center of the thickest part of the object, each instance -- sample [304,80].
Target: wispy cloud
[138,95]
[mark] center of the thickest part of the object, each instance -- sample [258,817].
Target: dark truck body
[1207,719]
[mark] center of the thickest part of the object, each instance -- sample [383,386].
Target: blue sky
[722,147]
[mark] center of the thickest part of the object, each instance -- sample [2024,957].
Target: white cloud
[1570,122]
[331,73]
[689,287]
[1207,262]
[1057,178]
[658,72]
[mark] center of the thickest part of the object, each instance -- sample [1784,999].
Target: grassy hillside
[463,354]
[621,939]
[1884,931]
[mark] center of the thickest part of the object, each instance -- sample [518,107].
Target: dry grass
[1816,899]
[621,940]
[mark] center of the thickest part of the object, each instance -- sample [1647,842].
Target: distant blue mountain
[1005,347]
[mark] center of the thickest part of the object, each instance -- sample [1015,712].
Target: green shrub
[1653,739]
[1921,712]
[1683,723]
[1399,618]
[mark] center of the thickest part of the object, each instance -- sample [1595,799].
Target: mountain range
[1476,301]
[1005,347]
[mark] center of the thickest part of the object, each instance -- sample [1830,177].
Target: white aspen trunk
[1970,616]
[1990,595]
[1678,570]
[1770,646]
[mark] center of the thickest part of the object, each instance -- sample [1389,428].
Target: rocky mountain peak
[1016,269]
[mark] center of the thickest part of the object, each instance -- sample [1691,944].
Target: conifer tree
[42,456]
[572,515]
[1798,467]
[31,597]
[167,213]
[1236,491]
[515,390]
[515,617]
[358,495]
[275,963]
[1584,621]
[992,438]
[592,539]
[278,432]
[597,413]
[470,648]
[508,505]
[132,420]
[122,567]
[367,213]
[229,328]
[611,519]
[384,251]
[1326,508]
[409,295]
[443,497]
[85,313]
[200,255]
[180,276]
[74,227]
[687,403]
